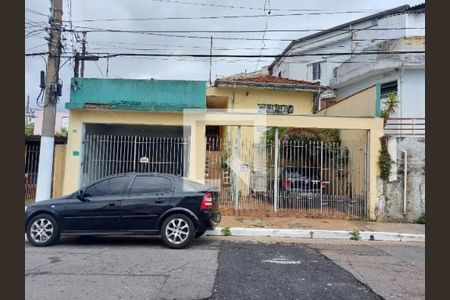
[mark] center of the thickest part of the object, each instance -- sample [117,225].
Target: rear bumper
[209,220]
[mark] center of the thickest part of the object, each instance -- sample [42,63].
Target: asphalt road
[223,268]
[278,271]
[119,268]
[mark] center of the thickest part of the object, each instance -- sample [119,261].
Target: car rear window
[191,186]
[150,184]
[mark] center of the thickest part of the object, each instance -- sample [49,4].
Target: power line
[208,17]
[97,29]
[251,8]
[103,55]
[159,33]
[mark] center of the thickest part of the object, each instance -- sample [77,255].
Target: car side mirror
[80,195]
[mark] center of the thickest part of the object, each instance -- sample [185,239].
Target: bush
[421,219]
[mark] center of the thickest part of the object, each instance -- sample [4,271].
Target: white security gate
[306,177]
[105,155]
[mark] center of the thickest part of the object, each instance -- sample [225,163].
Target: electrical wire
[252,8]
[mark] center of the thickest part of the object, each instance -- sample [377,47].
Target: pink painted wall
[62,120]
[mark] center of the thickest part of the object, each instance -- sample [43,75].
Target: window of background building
[316,71]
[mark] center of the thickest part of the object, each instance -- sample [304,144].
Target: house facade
[124,125]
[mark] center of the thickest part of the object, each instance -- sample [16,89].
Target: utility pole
[83,53]
[76,67]
[45,168]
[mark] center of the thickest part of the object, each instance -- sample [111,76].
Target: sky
[122,15]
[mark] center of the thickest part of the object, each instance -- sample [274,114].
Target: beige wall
[361,104]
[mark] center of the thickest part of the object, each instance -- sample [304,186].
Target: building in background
[397,66]
[61,122]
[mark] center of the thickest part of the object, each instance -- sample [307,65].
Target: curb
[319,234]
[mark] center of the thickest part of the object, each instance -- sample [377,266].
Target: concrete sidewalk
[319,228]
[319,224]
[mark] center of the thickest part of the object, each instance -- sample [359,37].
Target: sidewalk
[318,228]
[319,224]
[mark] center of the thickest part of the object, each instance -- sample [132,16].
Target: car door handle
[159,201]
[113,203]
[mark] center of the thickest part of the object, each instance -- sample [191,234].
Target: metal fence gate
[105,155]
[300,177]
[31,171]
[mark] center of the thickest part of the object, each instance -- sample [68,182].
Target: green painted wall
[143,95]
[378,101]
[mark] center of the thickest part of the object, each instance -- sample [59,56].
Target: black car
[174,207]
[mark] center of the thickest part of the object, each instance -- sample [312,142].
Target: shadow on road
[123,241]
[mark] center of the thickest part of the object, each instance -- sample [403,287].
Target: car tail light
[287,182]
[207,202]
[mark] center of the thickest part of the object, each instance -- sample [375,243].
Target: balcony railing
[405,127]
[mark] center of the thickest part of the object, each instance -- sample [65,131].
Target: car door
[100,209]
[148,199]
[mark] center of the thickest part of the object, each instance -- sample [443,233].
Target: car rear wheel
[43,230]
[177,231]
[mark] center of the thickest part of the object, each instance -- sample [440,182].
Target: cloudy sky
[136,15]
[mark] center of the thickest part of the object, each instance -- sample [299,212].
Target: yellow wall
[58,170]
[361,104]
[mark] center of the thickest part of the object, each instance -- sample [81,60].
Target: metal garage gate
[105,155]
[300,177]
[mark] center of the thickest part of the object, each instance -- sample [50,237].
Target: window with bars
[316,71]
[388,88]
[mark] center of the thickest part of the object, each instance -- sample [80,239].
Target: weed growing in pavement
[371,238]
[421,219]
[311,234]
[355,235]
[226,231]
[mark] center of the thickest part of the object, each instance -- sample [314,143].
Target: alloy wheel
[177,231]
[41,230]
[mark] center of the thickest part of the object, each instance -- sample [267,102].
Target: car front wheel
[177,231]
[43,230]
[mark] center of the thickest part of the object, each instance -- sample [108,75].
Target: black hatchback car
[174,207]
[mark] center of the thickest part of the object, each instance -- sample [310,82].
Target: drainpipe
[405,179]
[318,101]
[401,96]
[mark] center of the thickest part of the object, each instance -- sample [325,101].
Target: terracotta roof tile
[266,79]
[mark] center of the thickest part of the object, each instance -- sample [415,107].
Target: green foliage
[355,236]
[421,219]
[384,160]
[390,105]
[29,130]
[226,231]
[304,134]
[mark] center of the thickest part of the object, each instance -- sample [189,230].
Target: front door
[101,209]
[149,198]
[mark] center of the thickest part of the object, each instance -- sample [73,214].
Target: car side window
[150,184]
[113,186]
